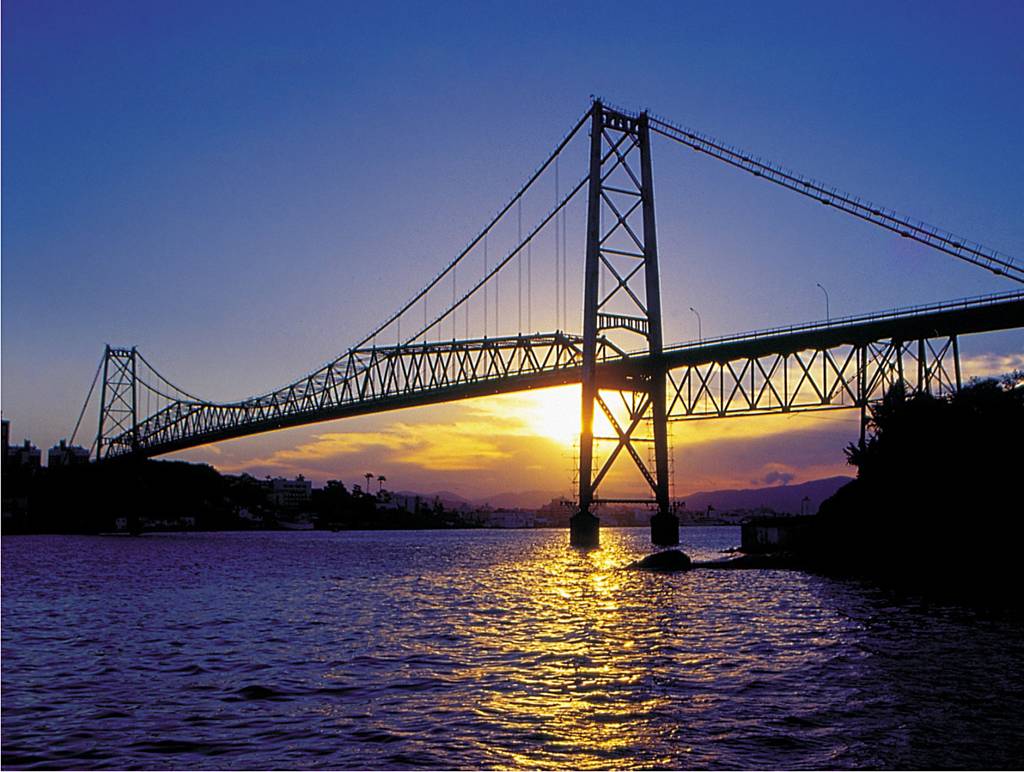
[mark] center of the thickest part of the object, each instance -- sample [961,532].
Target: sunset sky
[243,189]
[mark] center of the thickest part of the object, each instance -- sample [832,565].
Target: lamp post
[700,333]
[828,316]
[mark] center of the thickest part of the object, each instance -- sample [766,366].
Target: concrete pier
[665,529]
[584,530]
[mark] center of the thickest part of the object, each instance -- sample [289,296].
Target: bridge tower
[119,417]
[622,293]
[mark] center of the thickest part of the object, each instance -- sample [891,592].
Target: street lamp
[828,316]
[700,334]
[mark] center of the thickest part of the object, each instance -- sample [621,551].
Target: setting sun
[553,413]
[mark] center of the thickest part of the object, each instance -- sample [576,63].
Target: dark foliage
[937,499]
[88,498]
[91,497]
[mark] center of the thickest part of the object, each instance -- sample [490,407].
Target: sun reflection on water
[480,649]
[573,689]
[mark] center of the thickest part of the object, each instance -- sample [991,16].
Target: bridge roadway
[837,363]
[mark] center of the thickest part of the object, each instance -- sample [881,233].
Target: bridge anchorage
[836,364]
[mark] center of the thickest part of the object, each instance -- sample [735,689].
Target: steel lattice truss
[622,296]
[841,364]
[363,381]
[816,379]
[845,363]
[118,416]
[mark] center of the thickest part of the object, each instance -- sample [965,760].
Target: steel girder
[363,381]
[844,363]
[842,376]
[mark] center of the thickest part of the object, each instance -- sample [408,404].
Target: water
[462,649]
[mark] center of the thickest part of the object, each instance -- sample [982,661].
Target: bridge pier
[584,530]
[665,529]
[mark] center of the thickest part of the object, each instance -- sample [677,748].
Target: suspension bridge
[458,344]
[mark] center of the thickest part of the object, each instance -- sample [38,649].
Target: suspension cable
[178,389]
[991,260]
[501,213]
[501,264]
[86,403]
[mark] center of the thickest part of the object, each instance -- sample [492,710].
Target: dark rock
[669,560]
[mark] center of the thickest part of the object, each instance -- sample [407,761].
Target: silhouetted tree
[938,488]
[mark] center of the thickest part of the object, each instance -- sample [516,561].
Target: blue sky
[241,189]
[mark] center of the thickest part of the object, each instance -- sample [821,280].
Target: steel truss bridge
[840,363]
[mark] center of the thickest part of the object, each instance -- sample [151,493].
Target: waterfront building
[291,494]
[511,518]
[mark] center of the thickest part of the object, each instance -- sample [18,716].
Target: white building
[290,494]
[511,518]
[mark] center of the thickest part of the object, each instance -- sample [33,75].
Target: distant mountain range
[781,498]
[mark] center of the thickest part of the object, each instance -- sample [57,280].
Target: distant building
[26,456]
[66,455]
[290,494]
[510,518]
[5,430]
[769,534]
[554,514]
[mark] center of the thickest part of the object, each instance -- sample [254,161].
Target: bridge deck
[985,313]
[391,378]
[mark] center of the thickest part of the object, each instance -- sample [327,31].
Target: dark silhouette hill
[781,498]
[938,497]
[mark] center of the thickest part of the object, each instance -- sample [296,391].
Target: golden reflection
[577,695]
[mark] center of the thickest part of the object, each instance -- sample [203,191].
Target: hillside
[781,498]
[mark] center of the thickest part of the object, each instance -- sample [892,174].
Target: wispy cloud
[506,443]
[989,365]
[443,447]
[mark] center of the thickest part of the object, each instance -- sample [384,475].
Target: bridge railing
[900,313]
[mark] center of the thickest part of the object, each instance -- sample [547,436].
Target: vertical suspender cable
[519,264]
[485,286]
[600,268]
[558,291]
[565,276]
[529,285]
[497,305]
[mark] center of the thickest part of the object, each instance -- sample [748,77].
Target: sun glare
[555,414]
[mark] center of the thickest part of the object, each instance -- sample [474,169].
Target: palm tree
[381,479]
[368,476]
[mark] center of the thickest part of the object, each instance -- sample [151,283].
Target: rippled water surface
[482,649]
